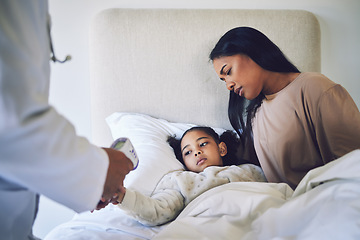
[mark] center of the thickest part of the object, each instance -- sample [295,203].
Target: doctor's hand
[119,166]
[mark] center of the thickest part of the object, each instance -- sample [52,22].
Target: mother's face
[241,75]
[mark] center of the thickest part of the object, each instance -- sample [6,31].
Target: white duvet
[325,205]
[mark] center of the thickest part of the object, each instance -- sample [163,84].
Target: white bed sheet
[325,205]
[108,223]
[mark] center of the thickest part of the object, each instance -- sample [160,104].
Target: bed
[151,78]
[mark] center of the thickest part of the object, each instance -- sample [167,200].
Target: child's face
[199,151]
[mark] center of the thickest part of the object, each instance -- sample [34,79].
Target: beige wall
[70,92]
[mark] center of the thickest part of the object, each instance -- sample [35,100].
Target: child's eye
[187,153]
[228,72]
[203,144]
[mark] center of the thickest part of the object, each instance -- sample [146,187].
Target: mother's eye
[203,144]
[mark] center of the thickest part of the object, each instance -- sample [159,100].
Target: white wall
[70,91]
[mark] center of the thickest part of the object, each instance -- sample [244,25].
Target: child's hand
[102,204]
[116,199]
[120,197]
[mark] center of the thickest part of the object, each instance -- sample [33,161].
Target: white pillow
[149,138]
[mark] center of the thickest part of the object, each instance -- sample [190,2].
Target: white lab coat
[39,149]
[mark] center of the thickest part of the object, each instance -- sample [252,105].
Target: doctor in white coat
[40,152]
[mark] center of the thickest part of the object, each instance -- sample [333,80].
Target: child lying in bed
[204,155]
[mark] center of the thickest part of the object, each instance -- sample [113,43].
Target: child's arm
[164,205]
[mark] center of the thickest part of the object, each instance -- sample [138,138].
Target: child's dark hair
[228,137]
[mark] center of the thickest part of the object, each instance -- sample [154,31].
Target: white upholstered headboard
[155,61]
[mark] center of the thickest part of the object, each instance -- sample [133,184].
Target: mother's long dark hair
[251,42]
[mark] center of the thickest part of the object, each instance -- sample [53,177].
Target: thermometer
[124,145]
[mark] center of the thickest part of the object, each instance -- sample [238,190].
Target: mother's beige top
[309,123]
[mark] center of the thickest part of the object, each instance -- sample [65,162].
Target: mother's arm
[338,124]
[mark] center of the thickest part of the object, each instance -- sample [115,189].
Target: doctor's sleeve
[39,148]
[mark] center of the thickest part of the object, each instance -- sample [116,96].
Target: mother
[294,121]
